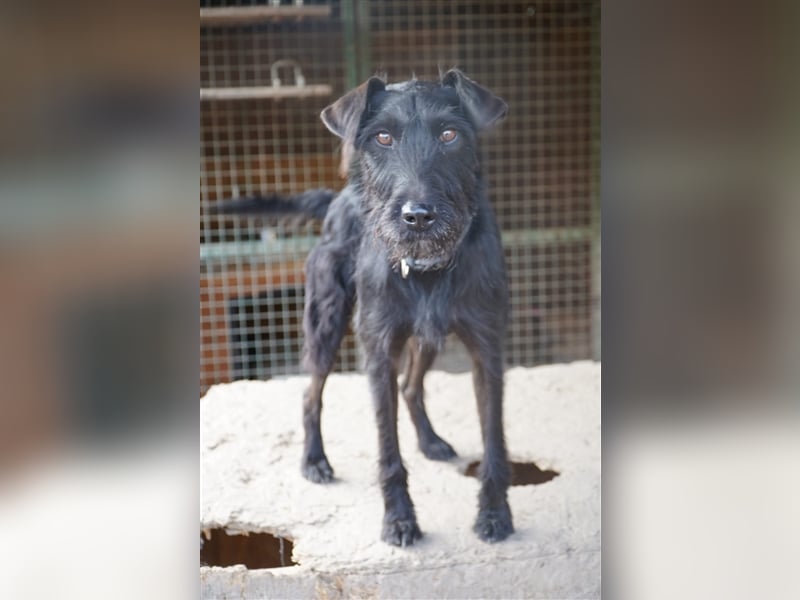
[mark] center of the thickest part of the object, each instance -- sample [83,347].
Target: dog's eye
[384,138]
[448,135]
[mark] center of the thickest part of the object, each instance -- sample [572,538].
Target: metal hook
[299,80]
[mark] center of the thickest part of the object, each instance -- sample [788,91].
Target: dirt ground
[251,441]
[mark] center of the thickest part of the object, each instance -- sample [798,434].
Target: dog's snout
[417,216]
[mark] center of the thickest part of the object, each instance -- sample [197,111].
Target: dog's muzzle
[437,263]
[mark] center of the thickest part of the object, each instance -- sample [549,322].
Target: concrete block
[251,442]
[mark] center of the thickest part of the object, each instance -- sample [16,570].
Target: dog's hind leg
[418,360]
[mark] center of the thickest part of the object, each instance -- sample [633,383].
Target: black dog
[413,237]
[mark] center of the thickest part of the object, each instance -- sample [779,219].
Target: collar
[411,264]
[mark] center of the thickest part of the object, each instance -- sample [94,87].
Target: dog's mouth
[422,254]
[431,250]
[427,253]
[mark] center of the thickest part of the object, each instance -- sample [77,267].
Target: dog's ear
[343,117]
[480,104]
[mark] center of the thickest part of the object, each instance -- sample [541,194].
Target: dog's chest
[428,307]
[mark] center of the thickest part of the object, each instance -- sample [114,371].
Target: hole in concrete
[521,473]
[254,551]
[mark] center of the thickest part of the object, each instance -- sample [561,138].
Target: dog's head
[413,148]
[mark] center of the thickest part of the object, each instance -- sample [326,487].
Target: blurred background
[701,286]
[101,360]
[98,309]
[261,136]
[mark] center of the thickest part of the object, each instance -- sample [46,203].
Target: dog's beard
[430,250]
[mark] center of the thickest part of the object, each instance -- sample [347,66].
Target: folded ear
[343,117]
[480,104]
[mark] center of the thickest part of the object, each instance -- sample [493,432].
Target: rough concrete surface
[251,441]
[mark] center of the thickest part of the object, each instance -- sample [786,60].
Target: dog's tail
[313,203]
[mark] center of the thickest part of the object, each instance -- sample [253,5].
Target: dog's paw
[400,532]
[437,449]
[494,524]
[318,471]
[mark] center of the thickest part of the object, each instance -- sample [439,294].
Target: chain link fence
[542,163]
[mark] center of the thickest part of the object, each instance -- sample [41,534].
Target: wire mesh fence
[541,163]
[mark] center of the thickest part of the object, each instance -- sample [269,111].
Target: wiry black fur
[455,279]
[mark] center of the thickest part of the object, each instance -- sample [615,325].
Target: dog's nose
[418,216]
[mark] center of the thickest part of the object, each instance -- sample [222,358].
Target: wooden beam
[243,15]
[265,91]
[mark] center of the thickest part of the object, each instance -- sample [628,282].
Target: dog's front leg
[399,521]
[494,522]
[315,465]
